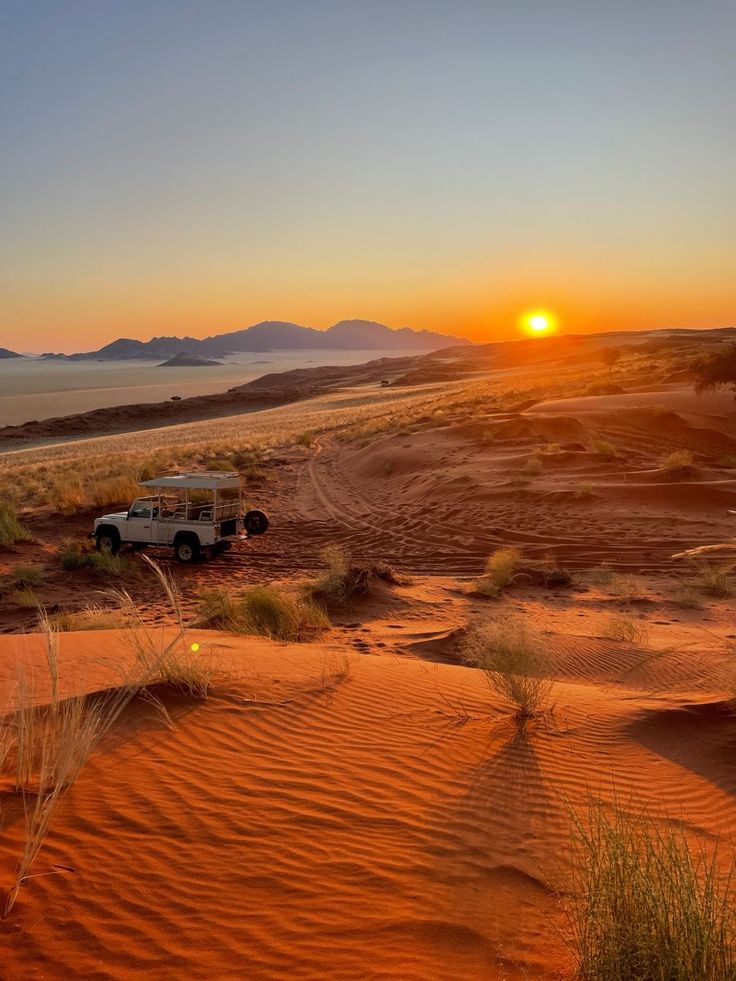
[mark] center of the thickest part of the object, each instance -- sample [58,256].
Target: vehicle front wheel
[187,550]
[108,542]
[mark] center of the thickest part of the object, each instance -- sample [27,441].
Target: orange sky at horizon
[68,323]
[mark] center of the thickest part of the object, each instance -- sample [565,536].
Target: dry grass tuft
[532,468]
[626,588]
[500,571]
[626,627]
[513,666]
[75,556]
[265,610]
[273,613]
[645,905]
[25,598]
[715,581]
[680,462]
[604,448]
[26,576]
[342,581]
[11,530]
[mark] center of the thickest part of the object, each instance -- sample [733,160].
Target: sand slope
[324,818]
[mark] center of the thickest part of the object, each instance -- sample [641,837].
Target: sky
[175,167]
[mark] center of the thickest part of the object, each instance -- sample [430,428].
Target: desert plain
[327,777]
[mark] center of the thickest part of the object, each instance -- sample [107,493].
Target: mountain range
[272,335]
[5,353]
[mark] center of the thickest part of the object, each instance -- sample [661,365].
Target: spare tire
[256,522]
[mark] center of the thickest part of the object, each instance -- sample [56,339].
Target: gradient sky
[178,167]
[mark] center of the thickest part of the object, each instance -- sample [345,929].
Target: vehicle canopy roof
[197,480]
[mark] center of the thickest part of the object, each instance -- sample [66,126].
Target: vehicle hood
[118,516]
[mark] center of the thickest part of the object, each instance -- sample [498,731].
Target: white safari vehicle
[198,513]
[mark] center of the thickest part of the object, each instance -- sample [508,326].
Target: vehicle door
[141,523]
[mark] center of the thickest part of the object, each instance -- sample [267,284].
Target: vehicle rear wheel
[187,550]
[256,522]
[108,542]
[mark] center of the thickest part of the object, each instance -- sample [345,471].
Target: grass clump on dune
[626,588]
[11,530]
[680,462]
[273,613]
[26,576]
[604,448]
[512,664]
[73,558]
[265,610]
[500,571]
[645,905]
[625,627]
[715,581]
[344,581]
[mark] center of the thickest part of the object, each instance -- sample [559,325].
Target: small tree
[610,356]
[715,370]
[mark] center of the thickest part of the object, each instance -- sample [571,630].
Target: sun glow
[538,323]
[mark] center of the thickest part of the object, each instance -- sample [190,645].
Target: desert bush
[512,665]
[501,566]
[11,530]
[305,439]
[626,627]
[645,905]
[342,581]
[715,369]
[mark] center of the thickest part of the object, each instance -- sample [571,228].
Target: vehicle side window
[141,509]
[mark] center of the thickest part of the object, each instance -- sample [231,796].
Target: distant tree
[610,356]
[715,370]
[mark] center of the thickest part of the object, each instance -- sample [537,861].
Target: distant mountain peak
[276,335]
[5,353]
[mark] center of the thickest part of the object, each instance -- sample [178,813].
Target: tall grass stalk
[645,905]
[54,740]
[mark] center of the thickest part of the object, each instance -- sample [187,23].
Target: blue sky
[174,167]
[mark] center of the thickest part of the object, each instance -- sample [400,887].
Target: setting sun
[538,322]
